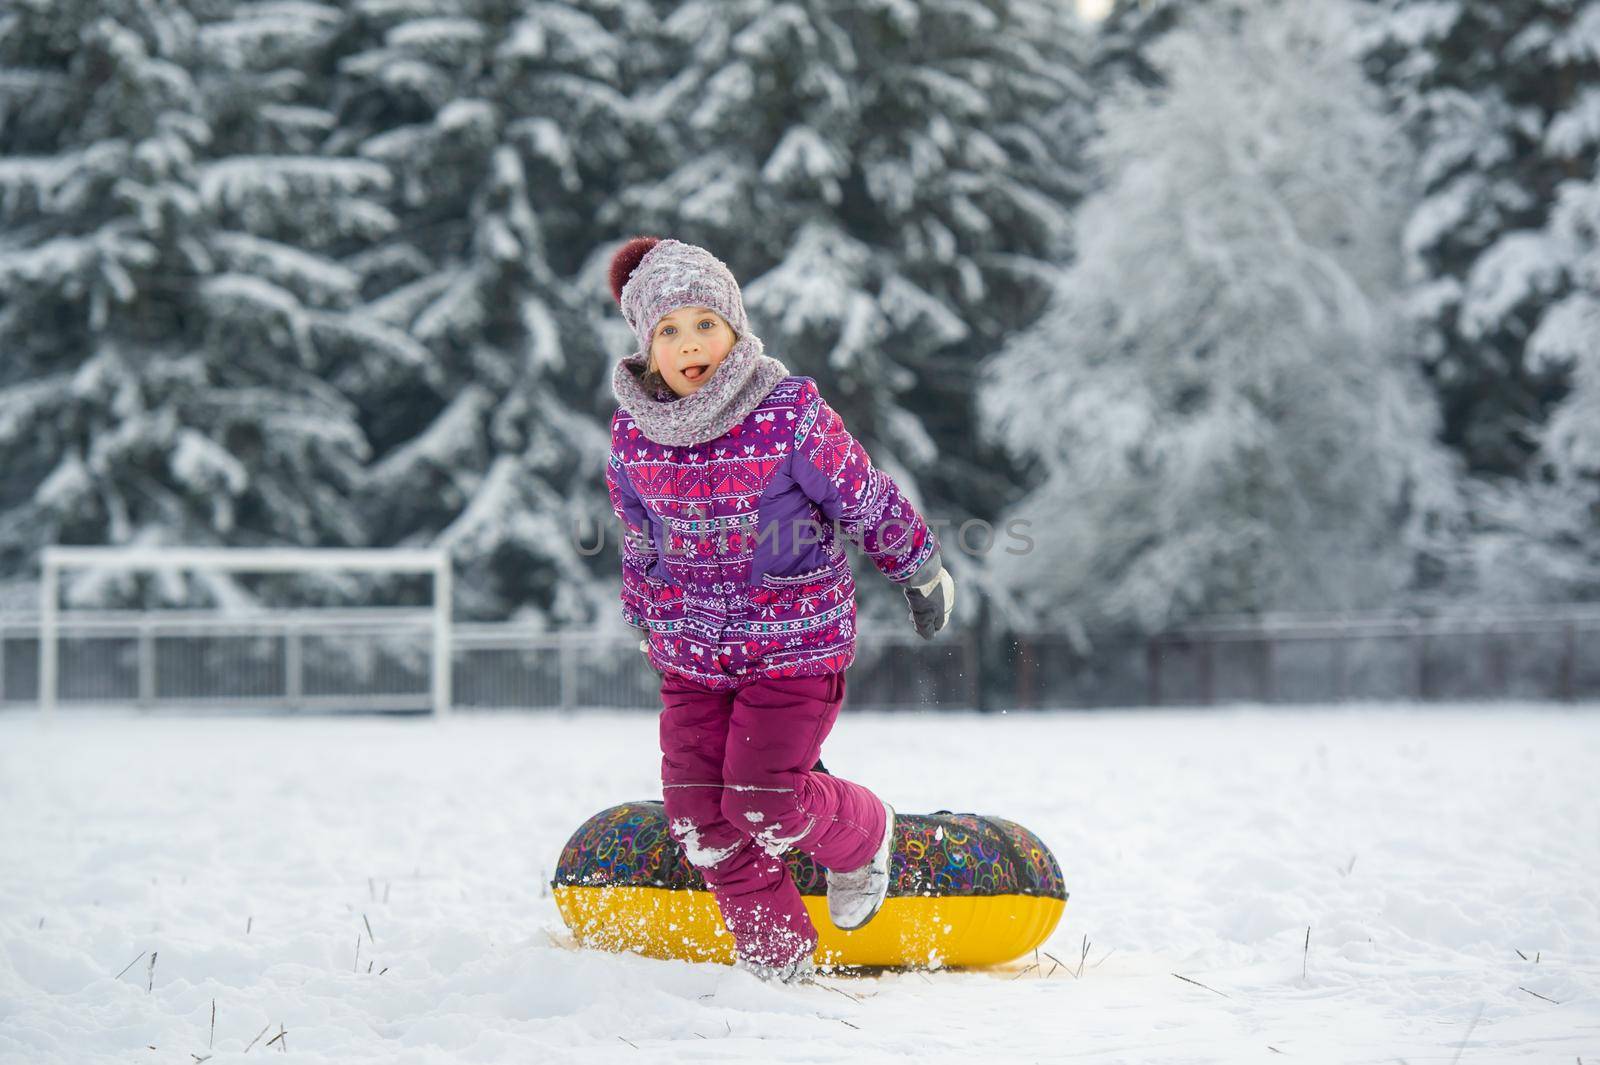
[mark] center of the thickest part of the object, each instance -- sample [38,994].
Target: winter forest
[1241,305]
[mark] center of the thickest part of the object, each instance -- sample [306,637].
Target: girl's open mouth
[694,373]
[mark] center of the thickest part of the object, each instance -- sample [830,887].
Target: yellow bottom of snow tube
[965,890]
[908,932]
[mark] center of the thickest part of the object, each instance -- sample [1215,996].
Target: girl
[736,484]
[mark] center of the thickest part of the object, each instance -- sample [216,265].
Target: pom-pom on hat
[627,260]
[652,277]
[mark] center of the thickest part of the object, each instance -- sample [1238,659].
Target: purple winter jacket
[733,556]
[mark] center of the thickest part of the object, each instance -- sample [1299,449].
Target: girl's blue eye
[704,321]
[712,322]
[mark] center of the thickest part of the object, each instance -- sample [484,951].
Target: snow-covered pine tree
[889,181]
[1218,405]
[566,74]
[1538,540]
[1558,555]
[499,462]
[1126,33]
[1568,336]
[164,375]
[1503,102]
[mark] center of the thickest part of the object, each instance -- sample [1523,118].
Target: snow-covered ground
[1423,847]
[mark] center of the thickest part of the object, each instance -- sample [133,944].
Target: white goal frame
[56,559]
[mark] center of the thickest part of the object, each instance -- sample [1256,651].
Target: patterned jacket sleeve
[835,472]
[638,552]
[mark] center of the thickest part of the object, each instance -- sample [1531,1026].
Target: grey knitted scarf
[741,381]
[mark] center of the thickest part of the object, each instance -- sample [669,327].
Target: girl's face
[688,346]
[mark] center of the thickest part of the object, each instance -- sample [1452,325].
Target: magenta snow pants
[739,791]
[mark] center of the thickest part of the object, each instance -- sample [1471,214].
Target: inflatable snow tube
[965,891]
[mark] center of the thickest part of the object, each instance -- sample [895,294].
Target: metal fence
[1543,655]
[379,659]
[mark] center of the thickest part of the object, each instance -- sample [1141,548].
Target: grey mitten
[931,592]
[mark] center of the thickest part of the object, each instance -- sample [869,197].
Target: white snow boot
[801,970]
[856,896]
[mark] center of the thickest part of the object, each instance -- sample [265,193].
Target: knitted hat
[651,278]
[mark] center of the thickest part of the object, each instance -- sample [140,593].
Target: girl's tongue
[694,373]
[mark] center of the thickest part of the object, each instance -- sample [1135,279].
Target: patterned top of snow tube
[966,890]
[942,853]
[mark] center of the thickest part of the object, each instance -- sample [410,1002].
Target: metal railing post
[1424,678]
[294,678]
[1269,687]
[1499,667]
[442,642]
[567,669]
[1569,662]
[147,666]
[974,667]
[1024,697]
[47,636]
[1341,670]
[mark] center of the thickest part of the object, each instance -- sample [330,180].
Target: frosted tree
[1503,102]
[890,181]
[171,371]
[1126,34]
[1553,531]
[1538,540]
[1569,333]
[568,73]
[499,460]
[1218,406]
